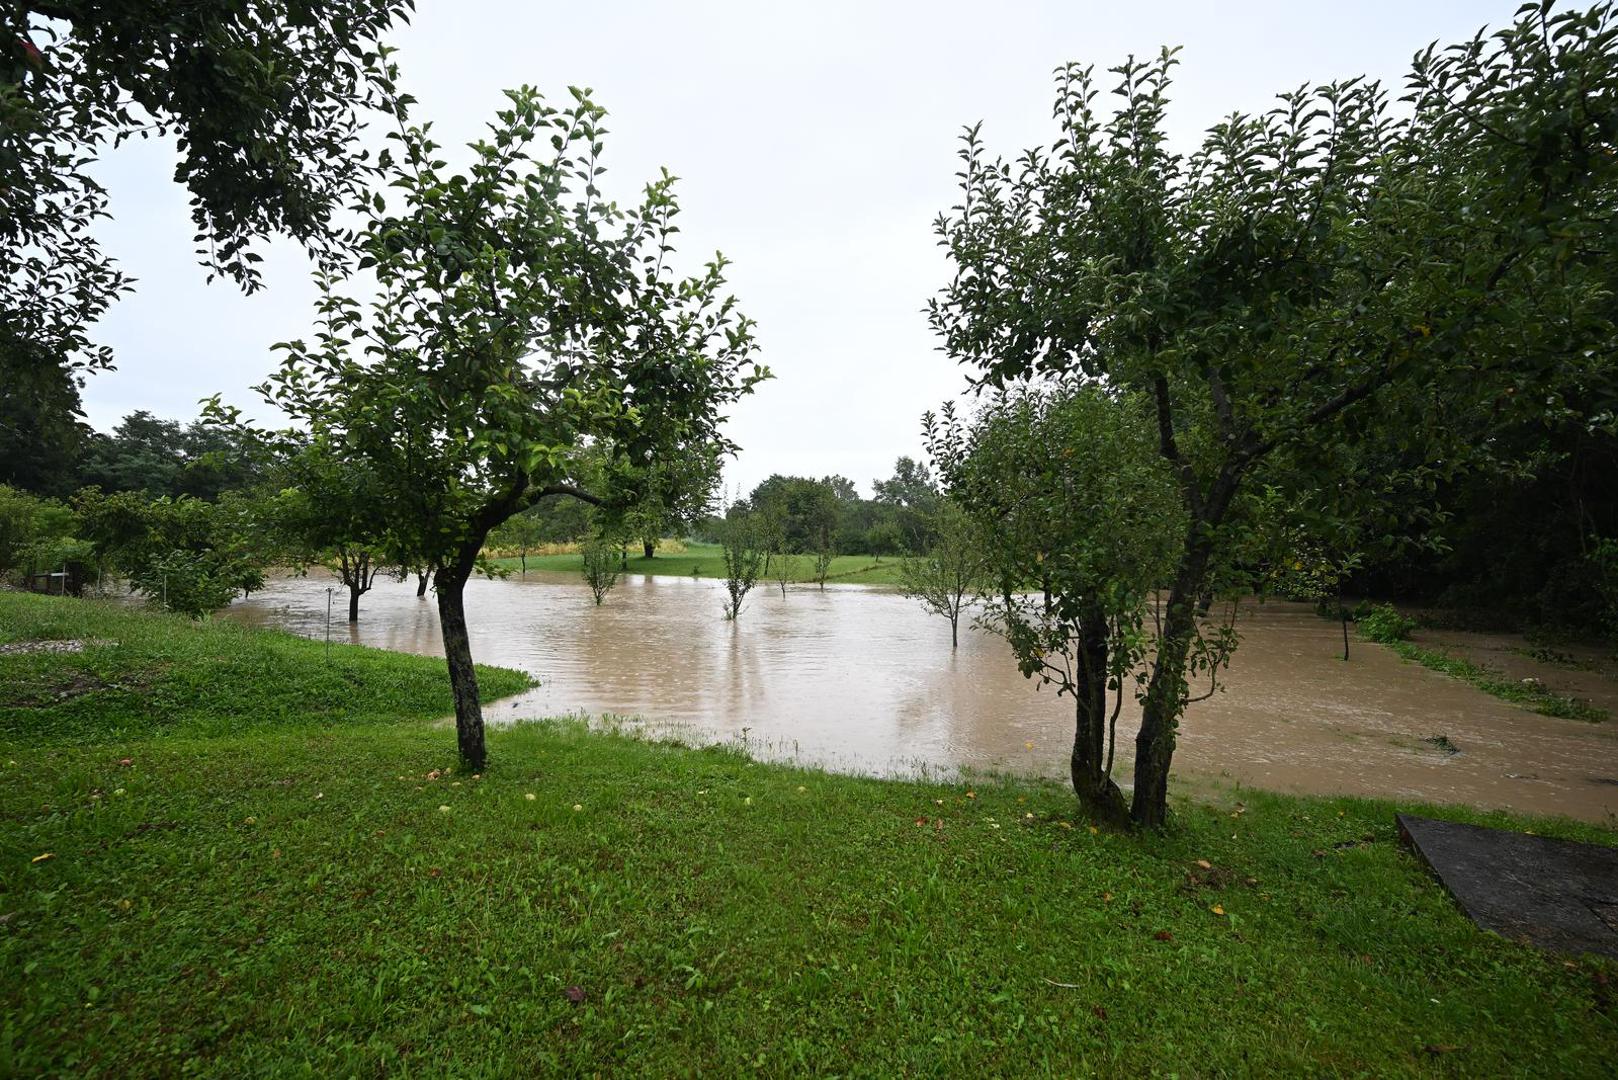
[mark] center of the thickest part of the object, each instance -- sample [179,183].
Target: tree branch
[568,489]
[1169,448]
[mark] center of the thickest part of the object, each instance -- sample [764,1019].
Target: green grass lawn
[259,865]
[706,560]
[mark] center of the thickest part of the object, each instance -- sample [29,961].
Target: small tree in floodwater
[1304,557]
[824,554]
[952,571]
[742,547]
[675,497]
[823,516]
[786,566]
[769,524]
[520,532]
[601,566]
[357,569]
[323,517]
[517,319]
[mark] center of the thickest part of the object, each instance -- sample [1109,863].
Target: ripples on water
[862,679]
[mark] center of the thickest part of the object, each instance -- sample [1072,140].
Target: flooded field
[861,679]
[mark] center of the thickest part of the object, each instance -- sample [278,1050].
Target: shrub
[1383,623]
[600,567]
[744,557]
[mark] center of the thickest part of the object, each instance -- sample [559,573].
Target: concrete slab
[1559,895]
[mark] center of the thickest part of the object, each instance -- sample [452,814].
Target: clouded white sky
[815,142]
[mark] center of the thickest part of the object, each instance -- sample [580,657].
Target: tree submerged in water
[743,546]
[952,571]
[601,566]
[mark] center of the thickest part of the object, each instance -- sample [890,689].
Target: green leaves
[520,320]
[1318,298]
[1077,519]
[264,101]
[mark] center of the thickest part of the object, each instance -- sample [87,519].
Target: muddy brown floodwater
[861,679]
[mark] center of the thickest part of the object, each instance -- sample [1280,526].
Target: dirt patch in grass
[55,688]
[71,645]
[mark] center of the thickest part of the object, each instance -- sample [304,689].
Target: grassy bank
[1530,695]
[313,895]
[707,561]
[1384,625]
[142,674]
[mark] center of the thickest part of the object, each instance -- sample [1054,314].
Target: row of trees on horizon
[1512,542]
[247,508]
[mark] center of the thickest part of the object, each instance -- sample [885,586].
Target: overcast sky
[815,143]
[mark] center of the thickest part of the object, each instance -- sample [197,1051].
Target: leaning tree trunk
[1165,693]
[1092,782]
[463,677]
[1166,690]
[421,583]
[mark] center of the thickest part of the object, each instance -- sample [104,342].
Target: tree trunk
[421,584]
[1342,615]
[1097,791]
[355,573]
[1166,692]
[463,678]
[954,629]
[649,548]
[523,555]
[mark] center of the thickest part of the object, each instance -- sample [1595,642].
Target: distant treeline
[803,511]
[1523,544]
[897,520]
[143,453]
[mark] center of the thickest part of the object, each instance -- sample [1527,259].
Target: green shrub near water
[1383,623]
[600,558]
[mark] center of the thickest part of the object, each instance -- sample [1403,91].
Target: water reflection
[862,679]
